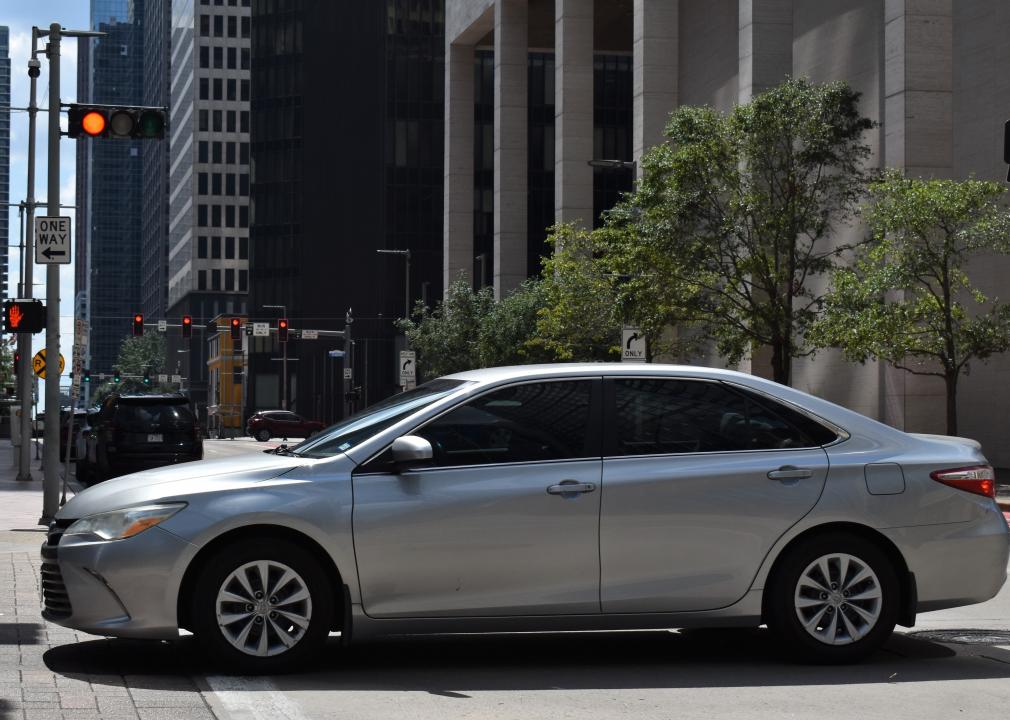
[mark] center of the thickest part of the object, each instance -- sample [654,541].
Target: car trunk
[154,428]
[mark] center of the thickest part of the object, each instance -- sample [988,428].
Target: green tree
[137,355]
[907,299]
[739,208]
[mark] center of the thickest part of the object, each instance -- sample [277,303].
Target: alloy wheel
[838,599]
[263,608]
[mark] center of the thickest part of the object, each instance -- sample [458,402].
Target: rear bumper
[956,564]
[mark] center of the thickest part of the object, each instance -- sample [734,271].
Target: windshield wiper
[280,450]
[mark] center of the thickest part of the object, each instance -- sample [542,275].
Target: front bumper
[121,588]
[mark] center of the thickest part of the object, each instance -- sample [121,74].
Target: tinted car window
[142,418]
[521,423]
[681,416]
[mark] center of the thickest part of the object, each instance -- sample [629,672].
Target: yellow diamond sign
[39,364]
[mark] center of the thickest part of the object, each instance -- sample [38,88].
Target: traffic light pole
[51,434]
[24,339]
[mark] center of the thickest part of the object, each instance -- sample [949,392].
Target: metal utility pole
[284,360]
[25,340]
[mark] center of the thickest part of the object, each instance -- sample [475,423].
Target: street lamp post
[284,361]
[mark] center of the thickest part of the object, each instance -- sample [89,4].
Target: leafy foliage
[907,299]
[735,213]
[137,355]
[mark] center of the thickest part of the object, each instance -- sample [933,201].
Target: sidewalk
[29,690]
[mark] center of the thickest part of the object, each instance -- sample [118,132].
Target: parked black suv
[138,432]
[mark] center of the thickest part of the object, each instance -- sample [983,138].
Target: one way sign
[52,240]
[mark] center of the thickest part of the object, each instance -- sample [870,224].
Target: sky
[20,16]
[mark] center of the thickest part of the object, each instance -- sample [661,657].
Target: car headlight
[121,524]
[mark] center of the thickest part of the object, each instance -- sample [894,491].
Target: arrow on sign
[633,338]
[50,253]
[406,364]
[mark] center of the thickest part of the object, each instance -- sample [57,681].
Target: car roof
[154,398]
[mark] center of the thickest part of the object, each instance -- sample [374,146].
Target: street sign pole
[25,341]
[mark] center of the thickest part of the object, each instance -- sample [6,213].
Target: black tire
[226,657]
[263,435]
[782,615]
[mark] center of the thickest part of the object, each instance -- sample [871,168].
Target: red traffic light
[130,122]
[93,123]
[236,328]
[187,326]
[138,324]
[282,330]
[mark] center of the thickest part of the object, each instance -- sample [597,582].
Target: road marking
[253,699]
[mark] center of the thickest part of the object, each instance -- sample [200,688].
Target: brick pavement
[48,672]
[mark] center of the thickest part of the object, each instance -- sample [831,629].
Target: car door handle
[788,472]
[570,487]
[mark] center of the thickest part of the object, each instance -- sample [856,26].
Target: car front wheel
[834,599]
[263,435]
[262,607]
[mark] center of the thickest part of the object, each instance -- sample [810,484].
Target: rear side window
[143,418]
[522,423]
[684,416]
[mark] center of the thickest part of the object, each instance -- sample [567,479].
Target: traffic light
[236,328]
[116,121]
[187,326]
[87,376]
[282,330]
[24,316]
[147,377]
[116,378]
[138,324]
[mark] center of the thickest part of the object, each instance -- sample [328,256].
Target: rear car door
[504,522]
[700,479]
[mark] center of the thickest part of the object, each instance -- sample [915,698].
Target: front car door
[505,521]
[700,479]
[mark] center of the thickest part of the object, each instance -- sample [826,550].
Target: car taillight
[978,479]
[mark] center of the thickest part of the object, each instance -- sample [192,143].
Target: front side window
[683,416]
[521,423]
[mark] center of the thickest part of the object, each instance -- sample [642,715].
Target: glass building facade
[5,159]
[110,182]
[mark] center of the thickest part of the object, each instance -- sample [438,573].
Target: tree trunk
[781,362]
[950,379]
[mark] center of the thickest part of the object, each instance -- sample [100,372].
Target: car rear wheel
[261,607]
[263,435]
[834,599]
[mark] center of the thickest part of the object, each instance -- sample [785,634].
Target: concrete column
[457,202]
[918,138]
[573,111]
[511,51]
[766,45]
[655,71]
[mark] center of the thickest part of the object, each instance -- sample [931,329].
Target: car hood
[177,481]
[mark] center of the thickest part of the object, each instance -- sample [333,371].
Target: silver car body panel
[411,528]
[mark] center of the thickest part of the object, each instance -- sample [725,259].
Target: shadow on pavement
[8,711]
[453,664]
[20,633]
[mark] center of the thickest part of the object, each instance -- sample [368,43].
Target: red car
[280,423]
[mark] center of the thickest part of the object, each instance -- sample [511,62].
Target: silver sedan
[554,497]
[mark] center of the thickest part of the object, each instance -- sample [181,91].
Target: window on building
[230,152]
[232,26]
[231,58]
[244,125]
[205,26]
[204,57]
[201,247]
[218,58]
[229,216]
[243,216]
[218,26]
[201,280]
[243,184]
[215,279]
[201,152]
[204,89]
[201,183]
[231,121]
[229,279]
[204,125]
[231,90]
[245,27]
[215,184]
[229,185]
[215,248]
[216,152]
[244,153]
[243,248]
[217,88]
[201,215]
[244,53]
[245,90]
[229,248]
[215,216]
[217,120]
[243,280]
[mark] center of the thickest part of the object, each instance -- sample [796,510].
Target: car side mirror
[411,450]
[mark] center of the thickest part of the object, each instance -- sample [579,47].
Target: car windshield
[376,418]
